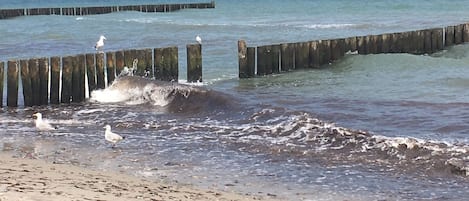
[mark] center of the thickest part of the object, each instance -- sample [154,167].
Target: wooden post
[12,84]
[67,70]
[427,41]
[2,65]
[449,36]
[268,59]
[159,63]
[287,52]
[44,80]
[242,59]
[149,72]
[386,40]
[361,45]
[78,79]
[120,63]
[458,32]
[251,54]
[111,67]
[465,34]
[437,39]
[261,60]
[141,64]
[420,41]
[275,56]
[100,83]
[324,48]
[314,56]
[194,63]
[91,72]
[129,56]
[35,81]
[301,55]
[351,44]
[55,80]
[174,64]
[337,50]
[26,81]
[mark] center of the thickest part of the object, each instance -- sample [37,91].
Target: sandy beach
[36,180]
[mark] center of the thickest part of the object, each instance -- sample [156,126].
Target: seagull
[100,43]
[42,125]
[112,137]
[198,39]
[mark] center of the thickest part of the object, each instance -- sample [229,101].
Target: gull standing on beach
[198,39]
[100,43]
[42,124]
[111,137]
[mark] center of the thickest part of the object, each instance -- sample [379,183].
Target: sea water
[367,127]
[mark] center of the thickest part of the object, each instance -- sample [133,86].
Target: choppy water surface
[369,127]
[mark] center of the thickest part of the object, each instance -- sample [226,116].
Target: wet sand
[37,180]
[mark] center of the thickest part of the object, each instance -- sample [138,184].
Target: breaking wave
[133,90]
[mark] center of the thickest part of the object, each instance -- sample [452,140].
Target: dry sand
[37,180]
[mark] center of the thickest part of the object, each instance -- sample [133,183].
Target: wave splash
[133,90]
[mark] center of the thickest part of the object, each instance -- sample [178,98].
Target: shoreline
[38,180]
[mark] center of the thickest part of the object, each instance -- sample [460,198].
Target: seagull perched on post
[111,137]
[100,43]
[41,124]
[198,39]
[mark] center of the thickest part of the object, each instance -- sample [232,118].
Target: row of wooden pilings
[62,79]
[10,13]
[278,58]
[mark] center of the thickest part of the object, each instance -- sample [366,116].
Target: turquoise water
[266,139]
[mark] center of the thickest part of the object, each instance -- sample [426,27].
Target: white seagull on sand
[42,124]
[100,43]
[198,39]
[112,137]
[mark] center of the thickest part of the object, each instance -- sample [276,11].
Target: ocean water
[367,127]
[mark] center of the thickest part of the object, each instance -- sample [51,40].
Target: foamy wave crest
[133,90]
[328,26]
[277,131]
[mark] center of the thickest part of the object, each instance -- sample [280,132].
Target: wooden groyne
[57,80]
[271,59]
[78,11]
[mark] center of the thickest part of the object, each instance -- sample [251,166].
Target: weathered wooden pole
[33,65]
[26,82]
[67,72]
[111,67]
[174,63]
[427,41]
[261,60]
[194,63]
[129,56]
[361,45]
[141,64]
[120,63]
[324,48]
[458,32]
[437,39]
[275,57]
[386,40]
[148,54]
[287,52]
[465,34]
[44,80]
[78,79]
[268,59]
[12,83]
[100,83]
[351,44]
[242,59]
[251,55]
[91,72]
[2,65]
[314,57]
[449,36]
[159,63]
[54,80]
[301,55]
